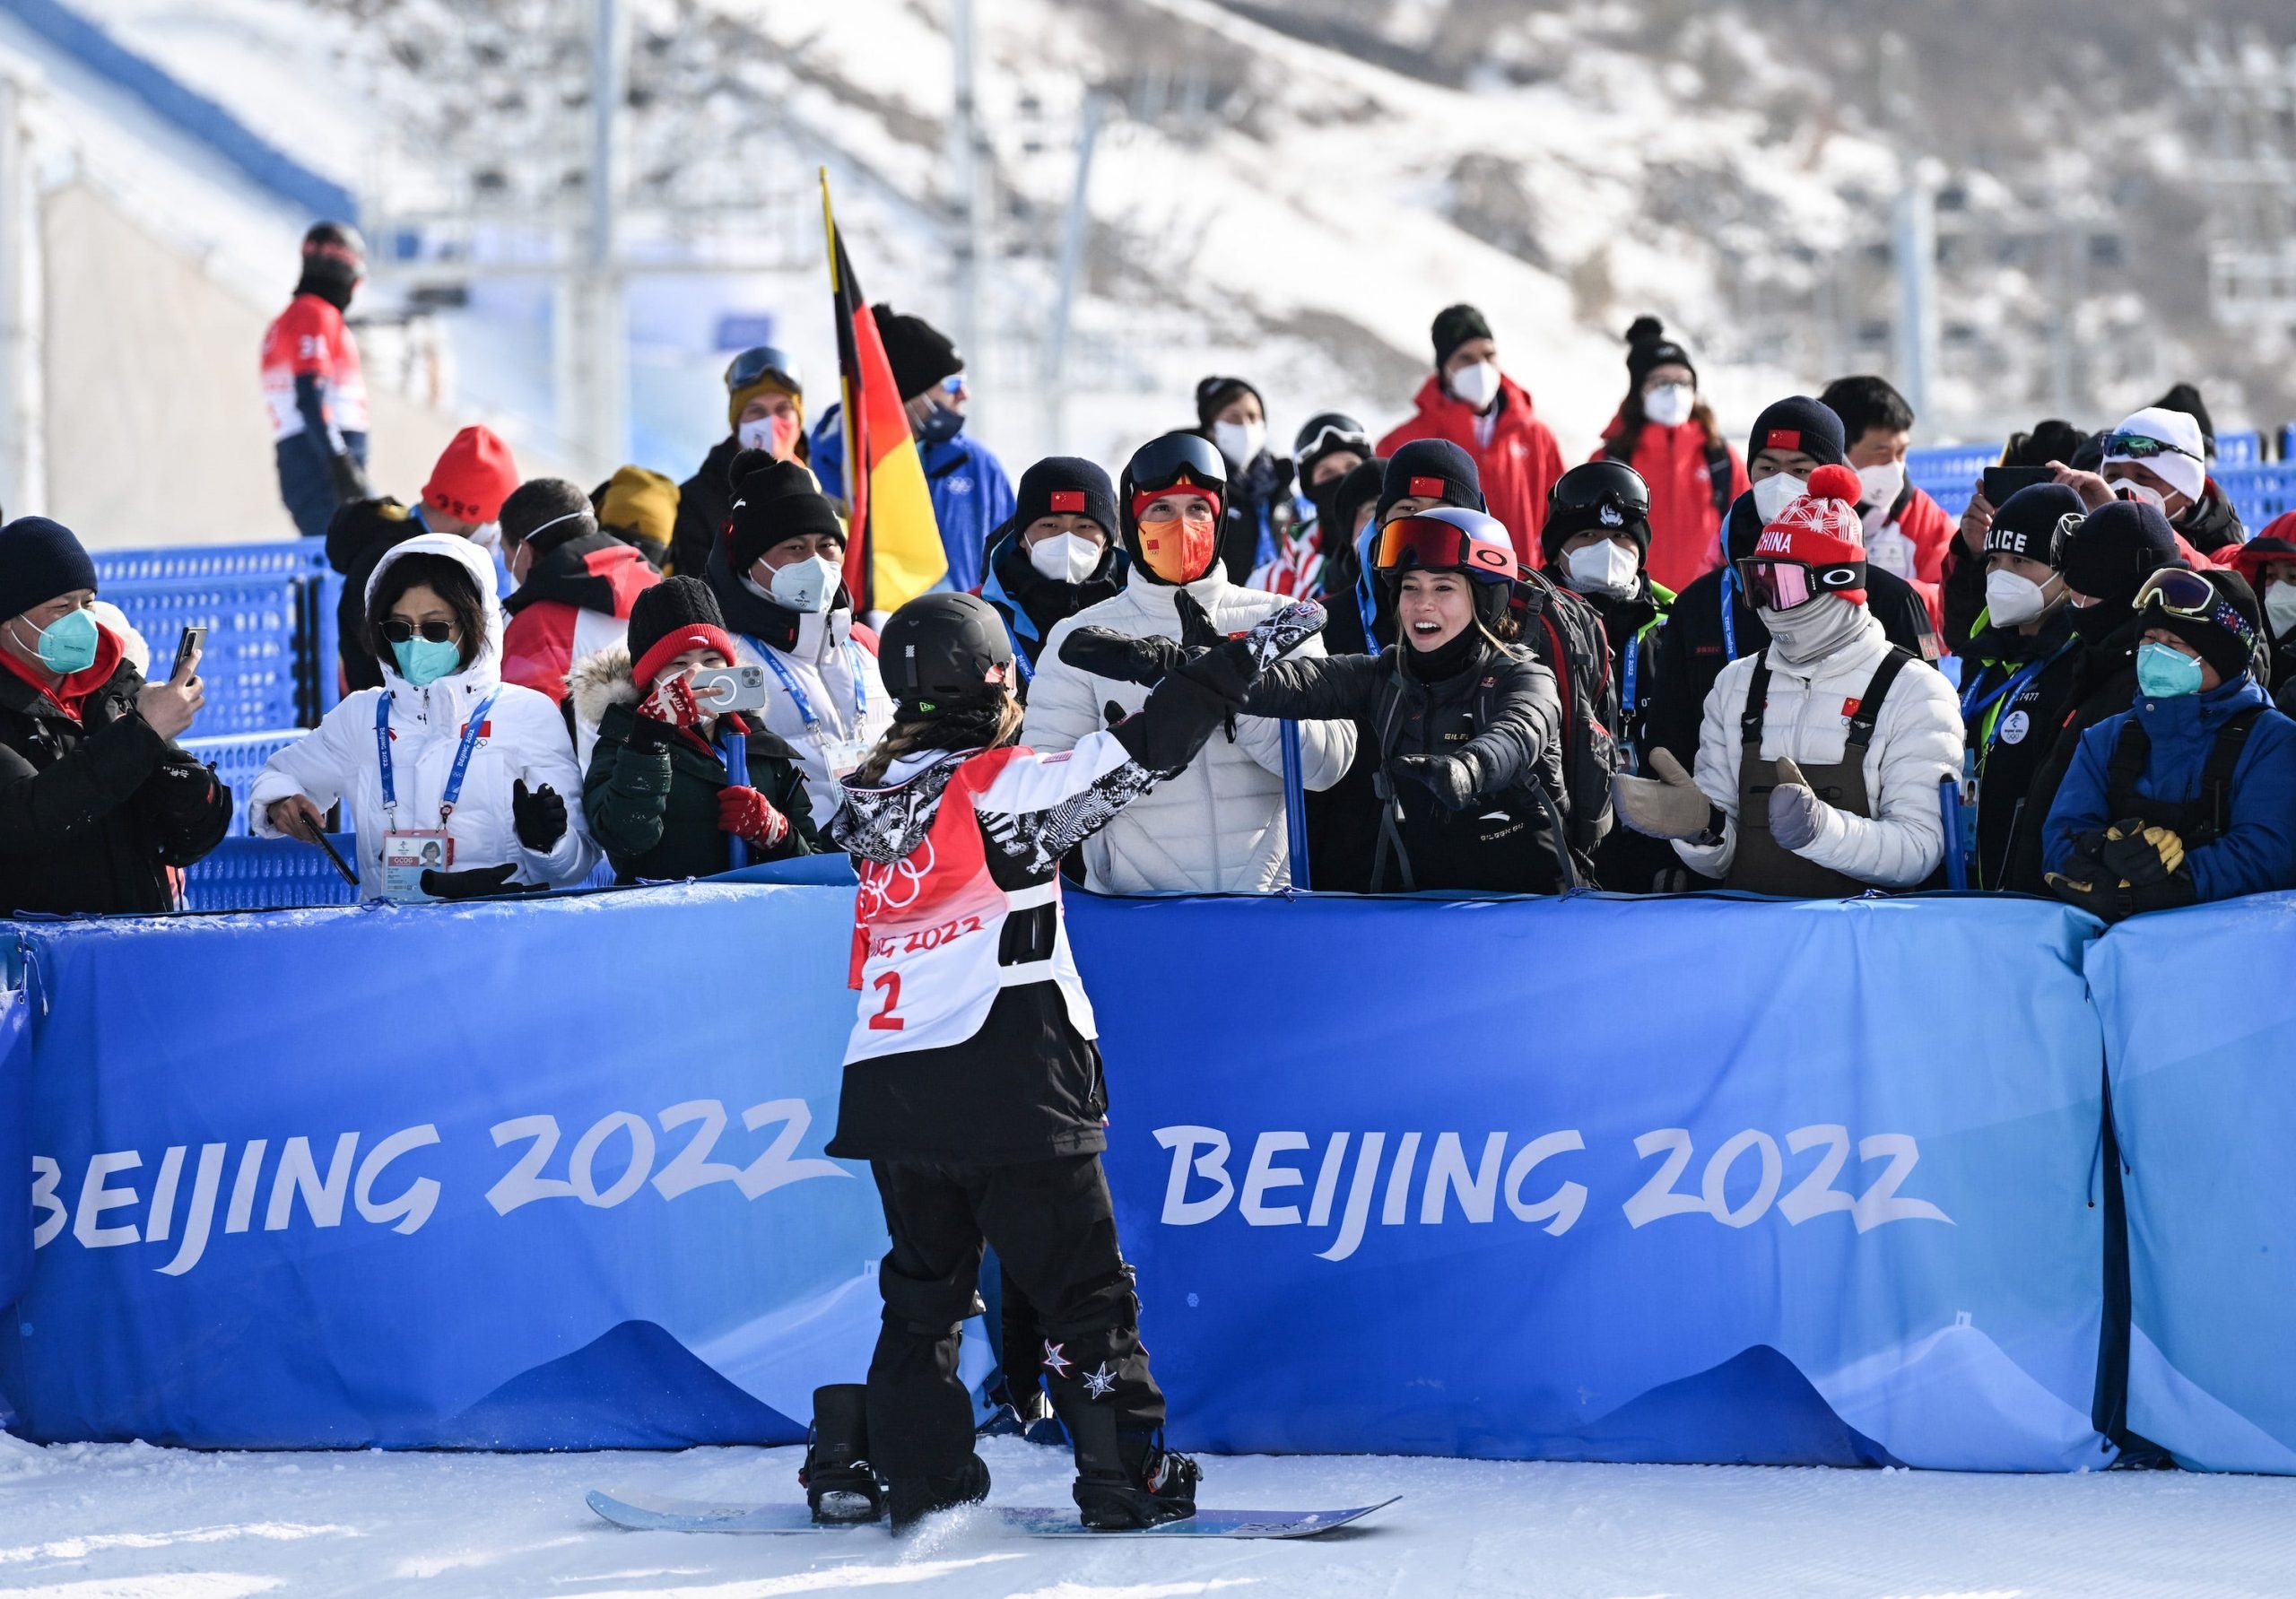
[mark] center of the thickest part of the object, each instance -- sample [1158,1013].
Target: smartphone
[188,649]
[730,688]
[2001,482]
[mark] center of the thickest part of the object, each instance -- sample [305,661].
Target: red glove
[749,815]
[672,702]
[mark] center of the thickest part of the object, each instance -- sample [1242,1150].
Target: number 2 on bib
[885,1020]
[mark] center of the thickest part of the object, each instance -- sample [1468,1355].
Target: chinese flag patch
[1432,487]
[1782,438]
[1068,500]
[1849,709]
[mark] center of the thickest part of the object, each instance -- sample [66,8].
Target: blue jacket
[2257,853]
[971,496]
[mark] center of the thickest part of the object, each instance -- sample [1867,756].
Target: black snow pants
[1054,1228]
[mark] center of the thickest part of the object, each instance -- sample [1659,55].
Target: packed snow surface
[132,1522]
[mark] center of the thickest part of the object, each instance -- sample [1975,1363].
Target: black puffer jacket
[2212,525]
[1496,707]
[2102,683]
[1692,649]
[705,505]
[1258,496]
[93,811]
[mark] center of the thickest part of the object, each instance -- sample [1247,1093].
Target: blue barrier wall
[395,1201]
[517,1176]
[2201,1039]
[1594,1179]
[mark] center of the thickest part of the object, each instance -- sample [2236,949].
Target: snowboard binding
[1113,1494]
[840,1483]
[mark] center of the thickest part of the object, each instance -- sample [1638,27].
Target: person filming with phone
[685,780]
[98,800]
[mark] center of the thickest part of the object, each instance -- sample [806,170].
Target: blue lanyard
[1633,660]
[472,731]
[733,749]
[1729,613]
[805,706]
[1973,707]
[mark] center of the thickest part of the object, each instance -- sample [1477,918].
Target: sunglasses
[399,631]
[1783,585]
[758,361]
[2140,447]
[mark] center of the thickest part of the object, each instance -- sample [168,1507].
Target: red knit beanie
[1820,529]
[474,476]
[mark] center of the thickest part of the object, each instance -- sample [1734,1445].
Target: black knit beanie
[1360,487]
[1214,393]
[1431,467]
[1799,422]
[39,560]
[2025,524]
[2108,556]
[775,501]
[1648,348]
[1454,326]
[921,354]
[1065,485]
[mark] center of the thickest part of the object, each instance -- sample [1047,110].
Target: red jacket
[1927,534]
[1685,529]
[1517,470]
[575,602]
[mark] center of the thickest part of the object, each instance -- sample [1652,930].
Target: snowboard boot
[1124,1489]
[838,1481]
[915,1498]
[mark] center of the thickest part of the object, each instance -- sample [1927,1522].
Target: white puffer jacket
[336,760]
[823,666]
[1916,744]
[1218,828]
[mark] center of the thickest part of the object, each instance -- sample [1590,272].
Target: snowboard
[648,1513]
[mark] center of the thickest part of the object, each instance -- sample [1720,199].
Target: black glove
[1103,652]
[1197,630]
[1452,777]
[349,478]
[539,819]
[1112,713]
[1226,670]
[477,883]
[2140,856]
[2100,895]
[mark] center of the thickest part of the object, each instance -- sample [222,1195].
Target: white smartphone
[730,688]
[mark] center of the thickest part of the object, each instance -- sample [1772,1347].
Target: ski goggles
[2177,591]
[2142,446]
[1588,491]
[1775,585]
[1328,433]
[762,363]
[1434,545]
[1163,463]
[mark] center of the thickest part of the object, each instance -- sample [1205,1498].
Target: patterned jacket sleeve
[1040,807]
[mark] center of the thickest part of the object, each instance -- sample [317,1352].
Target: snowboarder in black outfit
[973,1084]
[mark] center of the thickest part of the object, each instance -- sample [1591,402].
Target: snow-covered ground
[96,1522]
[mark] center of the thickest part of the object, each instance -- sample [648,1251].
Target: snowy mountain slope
[1291,190]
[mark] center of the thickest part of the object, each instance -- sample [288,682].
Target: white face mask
[1065,557]
[2126,488]
[1477,384]
[1240,442]
[2012,601]
[1773,494]
[806,586]
[2280,607]
[1608,567]
[1880,486]
[1669,405]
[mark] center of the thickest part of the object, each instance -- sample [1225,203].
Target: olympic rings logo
[898,886]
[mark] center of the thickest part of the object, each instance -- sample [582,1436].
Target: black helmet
[1601,495]
[1328,433]
[1160,463]
[938,650]
[337,244]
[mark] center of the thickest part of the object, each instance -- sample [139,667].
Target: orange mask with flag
[1180,551]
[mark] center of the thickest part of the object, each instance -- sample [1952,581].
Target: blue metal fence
[2259,490]
[246,873]
[269,610]
[237,759]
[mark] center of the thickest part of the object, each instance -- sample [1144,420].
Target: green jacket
[653,804]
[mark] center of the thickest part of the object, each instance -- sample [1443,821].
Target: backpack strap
[1757,703]
[1869,704]
[1718,475]
[2132,753]
[2216,776]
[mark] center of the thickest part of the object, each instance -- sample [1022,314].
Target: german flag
[893,552]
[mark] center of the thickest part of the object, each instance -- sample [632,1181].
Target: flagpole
[859,558]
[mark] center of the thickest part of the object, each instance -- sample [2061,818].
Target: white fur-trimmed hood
[600,681]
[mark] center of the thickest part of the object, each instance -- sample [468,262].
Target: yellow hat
[644,502]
